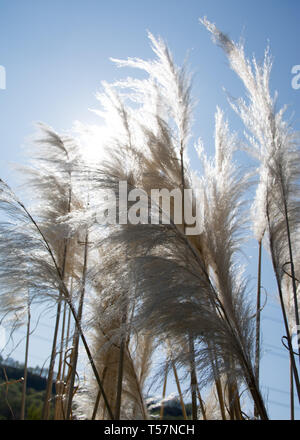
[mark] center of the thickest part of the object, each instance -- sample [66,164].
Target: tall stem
[49,386]
[45,413]
[293,274]
[179,391]
[76,335]
[216,374]
[231,398]
[257,337]
[96,406]
[91,360]
[292,392]
[201,404]
[66,351]
[24,385]
[220,397]
[284,315]
[58,310]
[237,403]
[121,368]
[194,384]
[162,406]
[58,411]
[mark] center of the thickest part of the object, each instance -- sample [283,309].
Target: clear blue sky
[56,53]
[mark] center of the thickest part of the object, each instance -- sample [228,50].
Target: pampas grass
[177,294]
[136,286]
[276,146]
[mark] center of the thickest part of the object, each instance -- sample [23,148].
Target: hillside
[10,395]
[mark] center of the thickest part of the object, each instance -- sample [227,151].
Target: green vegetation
[10,395]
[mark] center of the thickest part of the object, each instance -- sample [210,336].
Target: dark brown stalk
[59,384]
[249,376]
[255,393]
[194,384]
[162,406]
[64,375]
[91,360]
[258,306]
[45,413]
[292,402]
[76,336]
[64,378]
[179,391]
[234,409]
[220,397]
[217,379]
[52,363]
[202,406]
[137,380]
[231,398]
[24,384]
[46,406]
[96,406]
[121,368]
[237,403]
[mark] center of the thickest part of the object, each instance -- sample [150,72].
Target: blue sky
[56,53]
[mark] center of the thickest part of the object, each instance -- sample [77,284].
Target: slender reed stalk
[179,391]
[45,413]
[66,376]
[194,384]
[276,145]
[284,315]
[162,407]
[220,397]
[91,360]
[24,384]
[258,311]
[59,383]
[231,398]
[292,400]
[237,404]
[295,299]
[202,406]
[96,406]
[76,336]
[120,371]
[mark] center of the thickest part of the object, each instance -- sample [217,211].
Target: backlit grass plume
[276,145]
[131,276]
[177,294]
